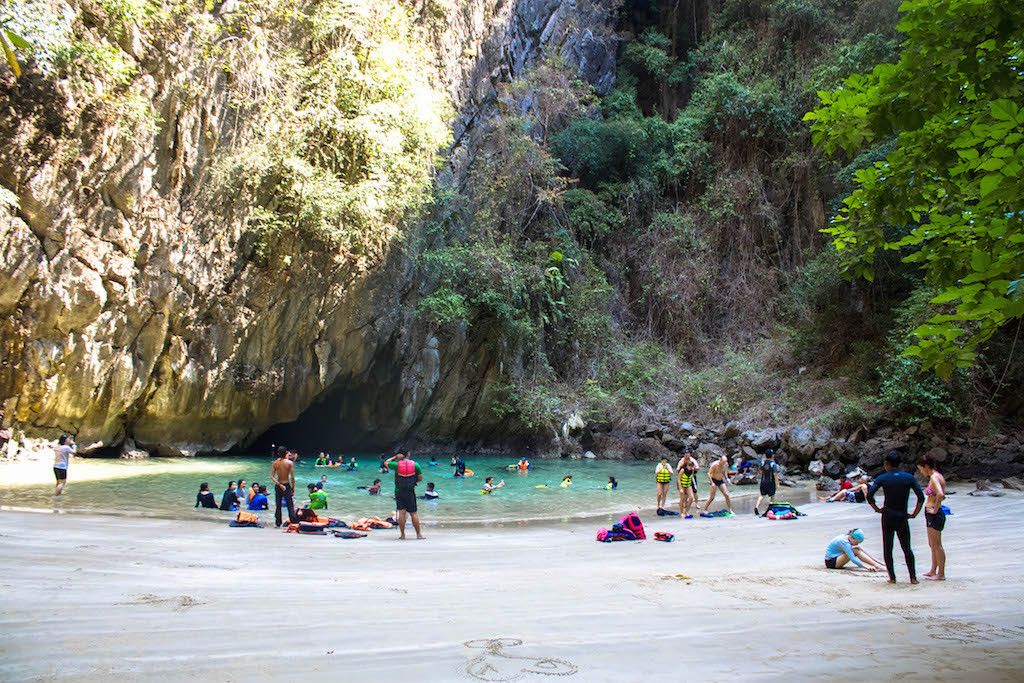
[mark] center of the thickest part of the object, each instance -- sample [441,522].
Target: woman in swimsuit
[934,517]
[662,477]
[687,496]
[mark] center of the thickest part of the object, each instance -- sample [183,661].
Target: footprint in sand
[179,603]
[495,665]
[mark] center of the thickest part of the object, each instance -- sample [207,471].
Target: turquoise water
[167,487]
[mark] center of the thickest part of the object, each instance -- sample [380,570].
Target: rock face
[131,313]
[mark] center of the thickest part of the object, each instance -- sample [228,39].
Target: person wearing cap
[62,453]
[844,548]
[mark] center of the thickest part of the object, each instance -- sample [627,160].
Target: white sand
[108,598]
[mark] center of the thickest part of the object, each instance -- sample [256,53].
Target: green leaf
[18,41]
[1004,110]
[989,183]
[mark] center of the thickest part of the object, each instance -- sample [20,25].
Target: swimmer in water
[205,497]
[566,481]
[489,485]
[372,490]
[430,493]
[612,484]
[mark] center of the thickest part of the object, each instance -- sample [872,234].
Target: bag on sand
[782,511]
[633,524]
[617,533]
[245,519]
[663,536]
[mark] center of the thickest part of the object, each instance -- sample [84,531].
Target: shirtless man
[716,475]
[282,473]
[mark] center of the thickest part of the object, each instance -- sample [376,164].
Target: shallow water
[167,487]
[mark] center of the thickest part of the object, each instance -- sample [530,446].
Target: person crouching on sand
[844,549]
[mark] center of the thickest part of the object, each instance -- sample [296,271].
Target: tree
[953,182]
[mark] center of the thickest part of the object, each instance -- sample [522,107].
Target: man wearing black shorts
[407,475]
[897,486]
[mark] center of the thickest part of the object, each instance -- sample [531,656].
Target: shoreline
[206,600]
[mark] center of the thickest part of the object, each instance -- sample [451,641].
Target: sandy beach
[115,598]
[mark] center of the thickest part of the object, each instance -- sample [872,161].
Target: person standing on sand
[769,479]
[62,453]
[282,473]
[934,515]
[897,486]
[407,475]
[663,477]
[716,475]
[687,470]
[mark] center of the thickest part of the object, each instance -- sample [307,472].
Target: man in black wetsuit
[897,486]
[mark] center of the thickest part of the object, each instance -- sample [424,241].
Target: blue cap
[857,535]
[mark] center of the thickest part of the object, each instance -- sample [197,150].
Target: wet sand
[101,598]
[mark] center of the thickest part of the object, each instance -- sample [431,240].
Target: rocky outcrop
[132,313]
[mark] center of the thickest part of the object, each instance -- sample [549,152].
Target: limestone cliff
[134,307]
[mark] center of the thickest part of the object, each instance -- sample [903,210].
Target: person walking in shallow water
[282,473]
[897,486]
[62,453]
[934,515]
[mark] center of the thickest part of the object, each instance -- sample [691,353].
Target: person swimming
[490,486]
[321,460]
[460,466]
[205,497]
[433,462]
[430,493]
[372,490]
[612,484]
[352,466]
[523,464]
[566,481]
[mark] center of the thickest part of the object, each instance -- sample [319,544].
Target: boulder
[1013,483]
[856,473]
[940,454]
[650,432]
[834,469]
[709,452]
[870,461]
[686,428]
[748,452]
[589,455]
[816,467]
[827,484]
[732,430]
[744,479]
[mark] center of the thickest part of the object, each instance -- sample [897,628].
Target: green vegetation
[953,182]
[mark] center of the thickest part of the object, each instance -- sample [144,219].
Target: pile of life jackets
[629,528]
[370,523]
[307,522]
[782,511]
